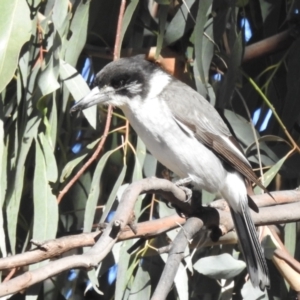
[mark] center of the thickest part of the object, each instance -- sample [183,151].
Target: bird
[185,133]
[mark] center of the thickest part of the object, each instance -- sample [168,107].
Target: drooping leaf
[15,30]
[78,88]
[270,174]
[13,196]
[222,266]
[251,293]
[79,32]
[130,9]
[113,194]
[203,45]
[141,287]
[50,161]
[162,17]
[45,220]
[94,193]
[69,167]
[290,237]
[182,22]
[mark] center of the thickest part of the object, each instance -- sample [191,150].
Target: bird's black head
[119,82]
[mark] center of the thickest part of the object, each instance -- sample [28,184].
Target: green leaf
[78,89]
[69,167]
[138,171]
[93,197]
[182,22]
[15,187]
[203,46]
[3,186]
[162,20]
[45,219]
[222,266]
[51,167]
[15,30]
[113,194]
[182,283]
[250,293]
[79,32]
[242,129]
[290,237]
[141,287]
[47,80]
[125,270]
[230,79]
[127,18]
[61,16]
[270,174]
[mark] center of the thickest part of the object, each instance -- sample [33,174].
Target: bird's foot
[181,184]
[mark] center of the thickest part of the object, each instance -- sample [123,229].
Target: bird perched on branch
[187,135]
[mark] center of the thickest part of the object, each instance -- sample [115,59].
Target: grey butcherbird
[187,135]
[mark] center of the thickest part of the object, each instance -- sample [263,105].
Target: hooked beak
[95,96]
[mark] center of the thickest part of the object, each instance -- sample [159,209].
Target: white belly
[179,152]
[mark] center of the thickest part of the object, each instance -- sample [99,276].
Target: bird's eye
[117,84]
[119,81]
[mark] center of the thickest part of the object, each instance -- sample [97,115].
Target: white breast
[180,152]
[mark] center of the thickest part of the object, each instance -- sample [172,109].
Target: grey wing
[197,114]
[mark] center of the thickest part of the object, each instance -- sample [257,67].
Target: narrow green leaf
[60,16]
[141,287]
[15,187]
[138,171]
[162,20]
[182,283]
[124,270]
[290,237]
[183,21]
[51,166]
[69,167]
[113,194]
[45,219]
[79,32]
[94,193]
[3,186]
[203,46]
[222,266]
[127,18]
[78,89]
[15,30]
[270,174]
[47,80]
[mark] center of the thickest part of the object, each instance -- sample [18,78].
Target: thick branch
[118,230]
[176,254]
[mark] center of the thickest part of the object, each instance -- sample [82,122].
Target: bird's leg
[181,183]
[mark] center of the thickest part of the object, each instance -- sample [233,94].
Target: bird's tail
[251,248]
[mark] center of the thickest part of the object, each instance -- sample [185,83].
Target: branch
[118,230]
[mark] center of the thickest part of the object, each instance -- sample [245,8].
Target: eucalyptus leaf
[78,88]
[69,167]
[130,9]
[15,30]
[113,194]
[290,237]
[94,193]
[141,287]
[182,22]
[45,220]
[222,266]
[79,32]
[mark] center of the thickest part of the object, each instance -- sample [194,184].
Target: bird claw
[181,184]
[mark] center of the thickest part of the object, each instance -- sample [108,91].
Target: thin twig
[92,158]
[109,112]
[117,47]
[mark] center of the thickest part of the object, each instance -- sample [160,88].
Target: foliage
[45,49]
